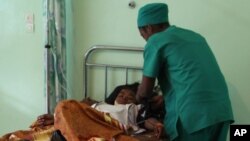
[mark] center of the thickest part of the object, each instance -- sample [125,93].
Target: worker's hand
[156,102]
[138,98]
[141,99]
[44,120]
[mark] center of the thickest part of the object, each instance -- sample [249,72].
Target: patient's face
[125,96]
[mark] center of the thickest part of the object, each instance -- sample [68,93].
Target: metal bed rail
[95,48]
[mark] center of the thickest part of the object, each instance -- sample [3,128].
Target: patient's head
[112,97]
[125,96]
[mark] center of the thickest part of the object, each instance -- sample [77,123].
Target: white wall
[21,62]
[224,23]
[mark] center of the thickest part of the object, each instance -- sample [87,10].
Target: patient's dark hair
[111,98]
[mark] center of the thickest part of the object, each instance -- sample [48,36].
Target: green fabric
[193,86]
[216,132]
[153,13]
[55,21]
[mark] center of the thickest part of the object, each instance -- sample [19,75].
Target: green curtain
[55,52]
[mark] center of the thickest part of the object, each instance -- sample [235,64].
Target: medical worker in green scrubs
[194,89]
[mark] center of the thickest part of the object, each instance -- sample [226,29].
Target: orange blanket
[79,122]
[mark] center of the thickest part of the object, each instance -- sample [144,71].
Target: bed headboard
[88,63]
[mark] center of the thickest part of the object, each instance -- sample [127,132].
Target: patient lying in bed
[79,121]
[124,110]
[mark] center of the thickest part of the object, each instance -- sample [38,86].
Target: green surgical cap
[153,13]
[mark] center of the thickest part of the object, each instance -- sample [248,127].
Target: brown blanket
[33,134]
[79,122]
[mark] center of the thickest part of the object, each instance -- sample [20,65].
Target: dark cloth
[147,112]
[57,136]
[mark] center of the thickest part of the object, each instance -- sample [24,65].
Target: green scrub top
[193,86]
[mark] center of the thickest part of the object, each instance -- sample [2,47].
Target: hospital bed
[107,69]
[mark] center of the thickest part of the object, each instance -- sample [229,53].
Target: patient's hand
[43,120]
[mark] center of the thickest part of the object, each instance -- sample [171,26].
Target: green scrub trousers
[217,132]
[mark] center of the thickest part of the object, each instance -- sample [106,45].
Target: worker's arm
[145,89]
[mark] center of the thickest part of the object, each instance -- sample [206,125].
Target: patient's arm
[48,119]
[43,120]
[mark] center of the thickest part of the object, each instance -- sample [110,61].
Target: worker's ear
[149,29]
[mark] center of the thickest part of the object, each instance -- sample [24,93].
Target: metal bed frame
[106,66]
[148,136]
